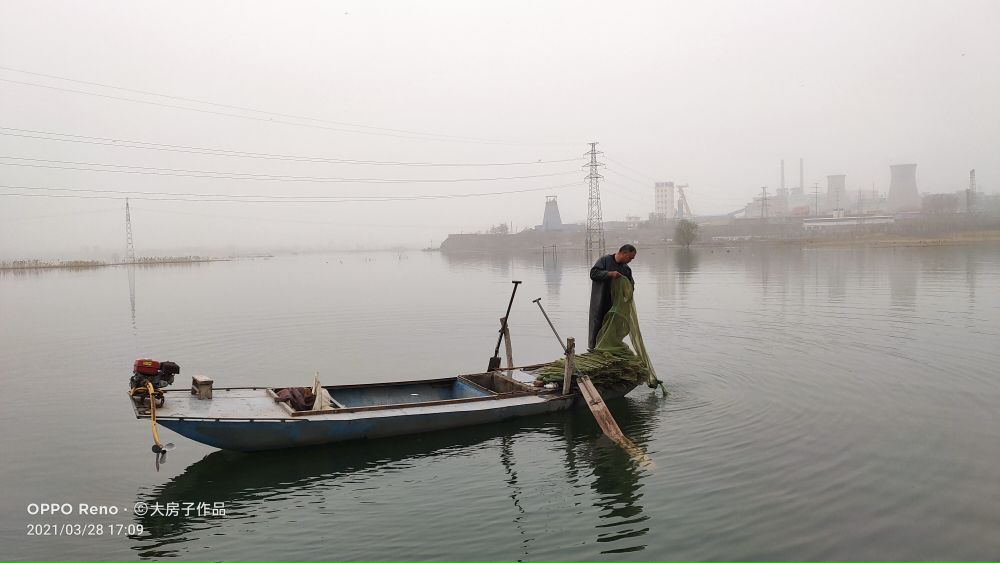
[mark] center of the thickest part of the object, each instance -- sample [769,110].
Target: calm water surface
[825,404]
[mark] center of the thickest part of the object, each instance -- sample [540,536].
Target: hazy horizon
[455,116]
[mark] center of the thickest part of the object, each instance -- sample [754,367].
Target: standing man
[606,269]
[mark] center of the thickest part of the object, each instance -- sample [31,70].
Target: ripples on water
[825,404]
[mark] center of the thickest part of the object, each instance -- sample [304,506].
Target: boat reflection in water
[265,492]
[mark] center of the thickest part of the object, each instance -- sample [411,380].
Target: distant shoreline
[870,240]
[89,264]
[491,244]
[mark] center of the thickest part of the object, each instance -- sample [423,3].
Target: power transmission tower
[129,247]
[595,225]
[130,262]
[763,203]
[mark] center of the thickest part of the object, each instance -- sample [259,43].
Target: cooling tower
[551,220]
[903,194]
[836,192]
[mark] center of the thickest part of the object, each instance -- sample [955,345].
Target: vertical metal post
[570,364]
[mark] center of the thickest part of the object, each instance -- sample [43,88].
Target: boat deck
[231,403]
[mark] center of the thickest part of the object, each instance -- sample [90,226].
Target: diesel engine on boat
[160,374]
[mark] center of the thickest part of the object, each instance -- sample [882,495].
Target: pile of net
[612,362]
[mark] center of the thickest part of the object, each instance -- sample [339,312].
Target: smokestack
[903,195]
[802,175]
[782,173]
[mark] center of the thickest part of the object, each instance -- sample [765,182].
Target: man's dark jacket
[600,293]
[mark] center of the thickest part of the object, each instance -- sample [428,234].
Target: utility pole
[816,193]
[595,225]
[763,203]
[970,196]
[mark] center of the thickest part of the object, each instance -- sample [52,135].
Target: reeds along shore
[82,264]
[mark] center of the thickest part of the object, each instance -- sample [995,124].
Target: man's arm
[600,272]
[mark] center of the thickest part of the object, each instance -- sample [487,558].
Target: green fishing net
[612,361]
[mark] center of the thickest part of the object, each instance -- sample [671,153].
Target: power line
[272,120]
[300,221]
[246,198]
[646,185]
[20,218]
[146,145]
[228,106]
[717,200]
[186,173]
[633,190]
[624,194]
[632,169]
[238,197]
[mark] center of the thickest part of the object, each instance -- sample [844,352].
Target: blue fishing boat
[268,418]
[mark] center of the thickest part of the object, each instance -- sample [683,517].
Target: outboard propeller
[160,453]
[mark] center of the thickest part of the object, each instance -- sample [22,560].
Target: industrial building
[663,200]
[833,223]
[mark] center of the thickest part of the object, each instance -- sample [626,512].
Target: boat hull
[256,435]
[253,419]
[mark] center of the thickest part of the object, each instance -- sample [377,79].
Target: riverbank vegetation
[35,264]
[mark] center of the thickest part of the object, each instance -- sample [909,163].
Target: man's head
[625,254]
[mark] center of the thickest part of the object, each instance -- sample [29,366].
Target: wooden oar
[607,422]
[594,400]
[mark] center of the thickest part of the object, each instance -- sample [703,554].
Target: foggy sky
[712,94]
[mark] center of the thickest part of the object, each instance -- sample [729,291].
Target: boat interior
[464,388]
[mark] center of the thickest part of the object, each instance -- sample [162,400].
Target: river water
[829,403]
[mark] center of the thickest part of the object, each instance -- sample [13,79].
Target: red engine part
[146,367]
